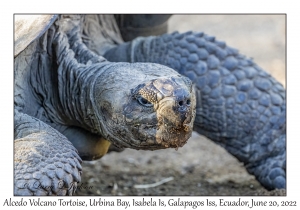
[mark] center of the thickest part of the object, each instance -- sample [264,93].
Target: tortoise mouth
[160,137]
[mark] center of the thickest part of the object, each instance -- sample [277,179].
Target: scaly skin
[239,105]
[46,163]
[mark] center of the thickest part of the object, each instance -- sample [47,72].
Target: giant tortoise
[87,83]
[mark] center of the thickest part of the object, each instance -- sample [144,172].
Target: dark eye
[144,101]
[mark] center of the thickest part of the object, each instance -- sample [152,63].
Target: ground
[200,167]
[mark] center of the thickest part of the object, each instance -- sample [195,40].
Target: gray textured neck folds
[75,80]
[76,89]
[76,71]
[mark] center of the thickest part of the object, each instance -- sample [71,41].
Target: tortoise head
[145,106]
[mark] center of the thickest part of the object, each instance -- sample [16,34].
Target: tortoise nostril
[184,102]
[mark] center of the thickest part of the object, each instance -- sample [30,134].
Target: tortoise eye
[144,101]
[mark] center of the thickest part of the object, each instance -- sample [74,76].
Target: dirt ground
[200,167]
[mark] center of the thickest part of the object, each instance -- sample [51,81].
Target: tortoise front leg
[239,105]
[45,162]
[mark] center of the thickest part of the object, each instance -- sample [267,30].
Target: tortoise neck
[75,87]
